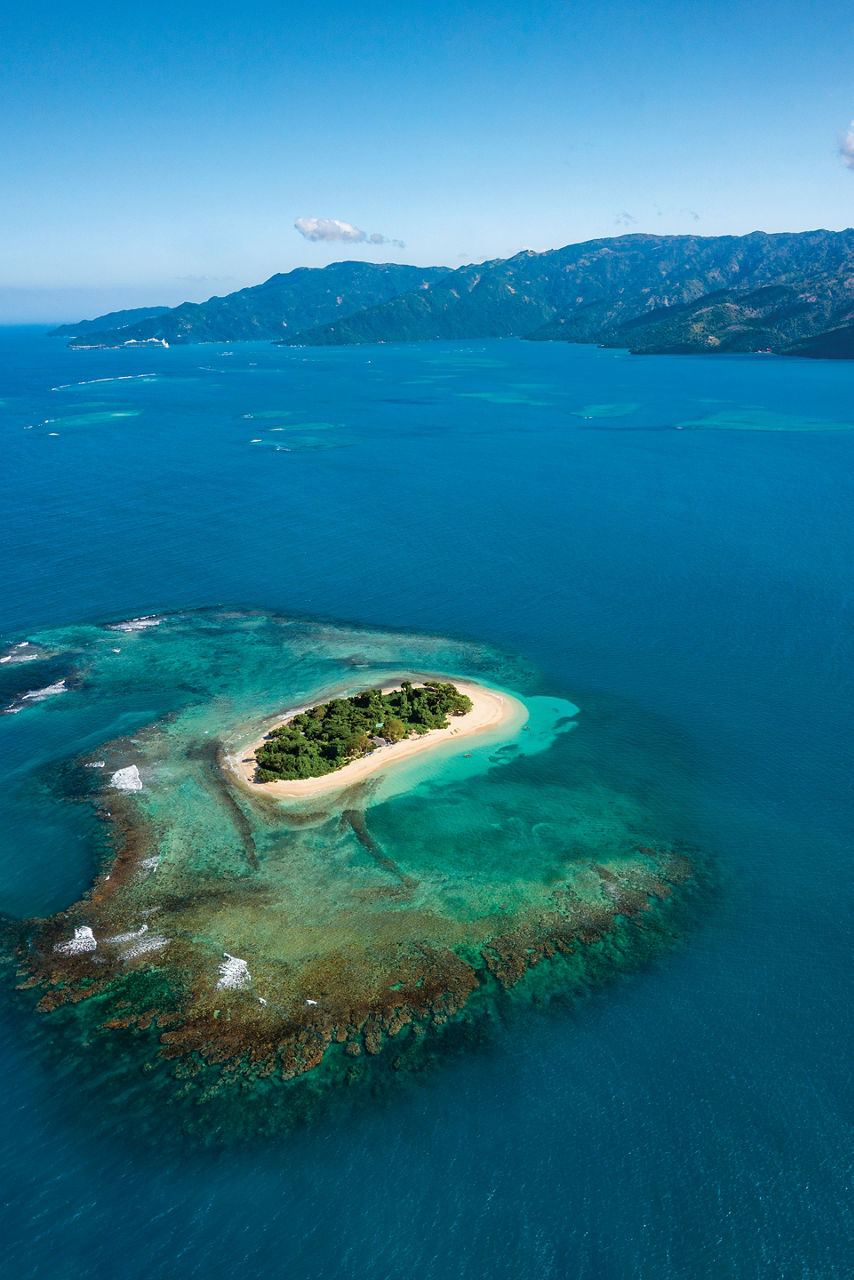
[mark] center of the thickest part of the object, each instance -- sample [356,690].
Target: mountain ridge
[302,298]
[787,292]
[117,319]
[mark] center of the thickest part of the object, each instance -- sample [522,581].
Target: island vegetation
[330,735]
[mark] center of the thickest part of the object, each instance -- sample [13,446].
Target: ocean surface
[666,543]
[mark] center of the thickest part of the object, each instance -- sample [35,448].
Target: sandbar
[490,711]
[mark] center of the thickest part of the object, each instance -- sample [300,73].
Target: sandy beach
[490,710]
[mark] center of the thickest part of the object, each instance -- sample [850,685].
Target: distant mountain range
[791,293]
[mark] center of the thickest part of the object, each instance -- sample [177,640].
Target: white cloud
[333,229]
[846,147]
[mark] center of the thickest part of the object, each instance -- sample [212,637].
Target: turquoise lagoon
[277,951]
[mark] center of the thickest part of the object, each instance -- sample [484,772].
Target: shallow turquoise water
[689,589]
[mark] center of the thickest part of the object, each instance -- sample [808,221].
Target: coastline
[490,710]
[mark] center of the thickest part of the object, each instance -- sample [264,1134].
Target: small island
[336,743]
[330,735]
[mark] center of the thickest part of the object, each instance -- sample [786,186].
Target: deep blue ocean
[672,537]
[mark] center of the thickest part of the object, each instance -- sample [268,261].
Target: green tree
[394,729]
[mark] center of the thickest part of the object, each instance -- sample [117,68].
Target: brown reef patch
[359,999]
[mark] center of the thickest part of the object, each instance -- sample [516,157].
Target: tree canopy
[330,735]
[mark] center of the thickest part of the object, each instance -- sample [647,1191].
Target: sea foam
[35,695]
[127,779]
[136,624]
[83,941]
[233,974]
[121,939]
[15,654]
[91,382]
[154,942]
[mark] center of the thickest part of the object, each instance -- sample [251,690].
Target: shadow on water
[208,755]
[357,821]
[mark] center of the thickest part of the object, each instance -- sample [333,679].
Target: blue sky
[164,151]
